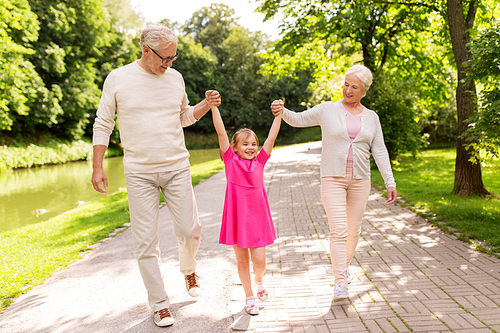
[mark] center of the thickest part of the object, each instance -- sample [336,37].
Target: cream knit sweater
[151,111]
[335,141]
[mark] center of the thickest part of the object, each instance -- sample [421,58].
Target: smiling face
[246,146]
[153,62]
[353,89]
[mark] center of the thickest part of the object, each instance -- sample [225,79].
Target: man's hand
[213,98]
[98,179]
[277,107]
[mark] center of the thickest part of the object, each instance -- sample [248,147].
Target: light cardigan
[335,141]
[151,111]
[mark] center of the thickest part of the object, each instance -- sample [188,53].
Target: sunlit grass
[31,254]
[425,184]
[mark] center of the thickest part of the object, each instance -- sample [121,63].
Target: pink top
[246,219]
[353,123]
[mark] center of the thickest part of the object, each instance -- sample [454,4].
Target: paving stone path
[409,276]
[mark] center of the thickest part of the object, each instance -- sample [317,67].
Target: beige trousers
[344,199]
[144,196]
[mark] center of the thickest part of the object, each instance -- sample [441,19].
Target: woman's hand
[277,107]
[392,194]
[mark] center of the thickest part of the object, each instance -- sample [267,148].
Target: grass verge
[425,183]
[29,255]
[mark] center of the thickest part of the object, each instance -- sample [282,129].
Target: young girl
[246,220]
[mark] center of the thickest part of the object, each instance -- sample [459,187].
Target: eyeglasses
[165,60]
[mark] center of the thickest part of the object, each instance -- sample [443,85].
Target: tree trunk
[468,178]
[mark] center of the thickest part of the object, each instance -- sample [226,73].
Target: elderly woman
[349,132]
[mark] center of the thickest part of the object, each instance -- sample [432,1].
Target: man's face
[154,62]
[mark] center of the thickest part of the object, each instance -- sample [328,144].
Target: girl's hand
[277,107]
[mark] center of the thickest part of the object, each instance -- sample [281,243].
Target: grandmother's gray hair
[363,73]
[153,34]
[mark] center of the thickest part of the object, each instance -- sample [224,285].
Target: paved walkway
[408,275]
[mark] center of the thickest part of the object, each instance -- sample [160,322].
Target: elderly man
[150,101]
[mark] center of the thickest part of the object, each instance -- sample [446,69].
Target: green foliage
[484,128]
[56,152]
[72,35]
[394,102]
[425,183]
[18,78]
[53,58]
[368,27]
[210,26]
[197,64]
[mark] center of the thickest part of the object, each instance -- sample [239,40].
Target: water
[35,195]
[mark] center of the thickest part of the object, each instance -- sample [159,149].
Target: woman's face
[353,89]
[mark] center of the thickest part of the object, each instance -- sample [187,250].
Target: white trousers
[144,196]
[344,199]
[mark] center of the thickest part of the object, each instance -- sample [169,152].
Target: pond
[35,195]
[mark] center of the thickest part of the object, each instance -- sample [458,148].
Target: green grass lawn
[31,254]
[425,184]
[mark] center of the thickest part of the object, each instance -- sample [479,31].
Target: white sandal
[251,307]
[261,291]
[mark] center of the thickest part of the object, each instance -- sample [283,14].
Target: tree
[197,64]
[483,134]
[210,26]
[72,35]
[18,78]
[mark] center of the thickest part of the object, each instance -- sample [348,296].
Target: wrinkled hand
[213,98]
[277,107]
[98,179]
[392,195]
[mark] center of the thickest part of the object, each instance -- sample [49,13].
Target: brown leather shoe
[163,317]
[192,286]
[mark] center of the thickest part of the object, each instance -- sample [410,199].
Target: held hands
[392,194]
[213,98]
[277,107]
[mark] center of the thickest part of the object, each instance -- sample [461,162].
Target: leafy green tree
[484,126]
[211,25]
[18,78]
[461,17]
[197,64]
[72,35]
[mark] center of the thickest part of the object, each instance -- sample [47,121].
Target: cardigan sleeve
[308,118]
[381,156]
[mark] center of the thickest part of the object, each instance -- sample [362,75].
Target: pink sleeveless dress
[246,219]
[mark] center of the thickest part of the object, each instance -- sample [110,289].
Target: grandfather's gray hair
[363,73]
[153,34]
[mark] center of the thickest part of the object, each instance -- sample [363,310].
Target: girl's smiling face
[246,147]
